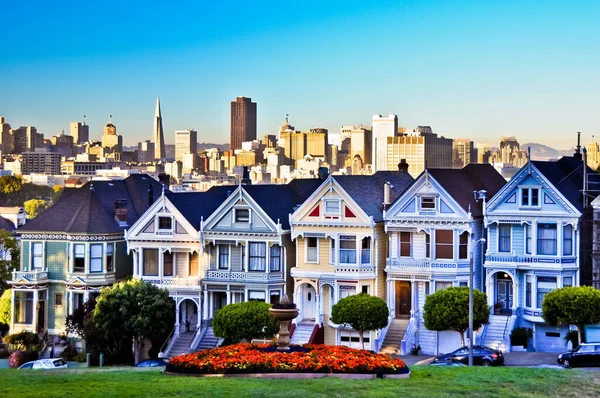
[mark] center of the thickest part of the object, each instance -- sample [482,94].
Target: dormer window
[530,197]
[242,215]
[332,207]
[165,223]
[428,202]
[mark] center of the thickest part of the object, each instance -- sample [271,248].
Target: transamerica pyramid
[158,137]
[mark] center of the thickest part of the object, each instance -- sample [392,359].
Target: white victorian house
[340,249]
[434,230]
[536,243]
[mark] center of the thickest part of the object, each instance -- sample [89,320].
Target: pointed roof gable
[460,184]
[367,191]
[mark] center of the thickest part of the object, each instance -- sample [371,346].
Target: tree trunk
[136,350]
[360,338]
[579,327]
[462,337]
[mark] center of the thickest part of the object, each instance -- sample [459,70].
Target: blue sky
[478,69]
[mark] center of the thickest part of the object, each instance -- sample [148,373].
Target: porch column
[559,241]
[135,262]
[199,317]
[161,263]
[358,252]
[245,295]
[534,291]
[534,238]
[246,260]
[412,298]
[228,295]
[205,306]
[12,311]
[86,295]
[318,307]
[297,298]
[141,262]
[177,317]
[35,310]
[268,257]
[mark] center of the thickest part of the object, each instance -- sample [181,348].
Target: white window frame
[94,260]
[338,205]
[236,210]
[307,251]
[228,256]
[434,208]
[75,256]
[530,190]
[34,256]
[510,235]
[164,216]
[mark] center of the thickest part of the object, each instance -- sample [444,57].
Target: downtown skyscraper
[243,122]
[158,137]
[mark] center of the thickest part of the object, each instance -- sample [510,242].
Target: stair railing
[198,337]
[408,334]
[509,320]
[166,347]
[381,335]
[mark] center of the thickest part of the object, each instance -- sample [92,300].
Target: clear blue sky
[478,69]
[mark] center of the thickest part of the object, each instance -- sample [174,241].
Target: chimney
[577,154]
[403,166]
[150,195]
[386,194]
[121,212]
[323,172]
[246,176]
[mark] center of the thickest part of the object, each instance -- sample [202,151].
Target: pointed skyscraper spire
[157,133]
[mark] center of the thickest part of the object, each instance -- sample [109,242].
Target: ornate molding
[78,238]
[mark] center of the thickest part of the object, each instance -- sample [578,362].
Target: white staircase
[181,345]
[394,336]
[302,333]
[494,333]
[209,340]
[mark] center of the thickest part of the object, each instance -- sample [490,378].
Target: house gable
[426,199]
[240,213]
[330,203]
[530,192]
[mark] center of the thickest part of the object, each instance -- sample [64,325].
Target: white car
[51,363]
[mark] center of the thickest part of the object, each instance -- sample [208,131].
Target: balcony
[528,260]
[241,276]
[36,276]
[425,265]
[349,270]
[93,278]
[167,282]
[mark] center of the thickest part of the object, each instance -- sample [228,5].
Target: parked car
[587,354]
[151,363]
[51,363]
[484,356]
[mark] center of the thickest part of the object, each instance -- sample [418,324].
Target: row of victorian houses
[319,240]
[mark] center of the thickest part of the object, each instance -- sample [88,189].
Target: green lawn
[424,382]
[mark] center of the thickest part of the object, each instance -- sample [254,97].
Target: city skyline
[469,70]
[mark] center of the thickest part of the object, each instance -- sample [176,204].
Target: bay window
[23,307]
[528,291]
[546,239]
[568,240]
[275,258]
[527,239]
[79,260]
[168,264]
[96,257]
[257,256]
[504,238]
[463,245]
[366,251]
[110,248]
[150,267]
[545,284]
[427,245]
[347,250]
[405,244]
[332,251]
[311,250]
[224,256]
[37,256]
[444,247]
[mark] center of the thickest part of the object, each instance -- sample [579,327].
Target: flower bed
[251,358]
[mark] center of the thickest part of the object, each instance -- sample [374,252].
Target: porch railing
[166,347]
[408,335]
[31,276]
[381,335]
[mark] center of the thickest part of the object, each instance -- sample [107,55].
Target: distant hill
[170,149]
[544,152]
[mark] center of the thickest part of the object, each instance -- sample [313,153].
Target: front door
[220,301]
[403,303]
[308,302]
[505,294]
[41,326]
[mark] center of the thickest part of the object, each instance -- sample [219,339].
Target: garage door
[550,339]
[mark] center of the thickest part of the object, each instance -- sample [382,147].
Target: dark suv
[484,356]
[587,354]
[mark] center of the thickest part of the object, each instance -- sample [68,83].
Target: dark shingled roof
[566,174]
[460,184]
[367,191]
[91,208]
[6,224]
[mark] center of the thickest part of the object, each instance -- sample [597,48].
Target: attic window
[332,207]
[242,215]
[427,202]
[530,197]
[165,223]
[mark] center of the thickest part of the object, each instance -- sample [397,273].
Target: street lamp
[480,240]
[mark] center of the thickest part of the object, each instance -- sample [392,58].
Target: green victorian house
[73,249]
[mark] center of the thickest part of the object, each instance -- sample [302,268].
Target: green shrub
[245,321]
[24,341]
[521,336]
[70,352]
[81,357]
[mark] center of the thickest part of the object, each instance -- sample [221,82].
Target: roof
[6,224]
[11,209]
[91,208]
[566,175]
[460,184]
[367,191]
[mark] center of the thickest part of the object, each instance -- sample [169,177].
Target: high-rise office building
[158,137]
[40,163]
[243,122]
[186,141]
[111,141]
[5,137]
[80,132]
[316,143]
[26,138]
[360,139]
[422,149]
[509,153]
[383,128]
[463,153]
[145,152]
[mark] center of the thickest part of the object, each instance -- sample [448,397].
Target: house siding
[57,259]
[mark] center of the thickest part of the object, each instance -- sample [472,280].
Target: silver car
[51,363]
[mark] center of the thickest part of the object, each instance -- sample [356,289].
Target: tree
[577,306]
[135,310]
[9,257]
[449,310]
[5,301]
[9,185]
[35,207]
[244,321]
[361,312]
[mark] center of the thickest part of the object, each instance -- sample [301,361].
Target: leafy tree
[56,192]
[35,207]
[245,321]
[135,310]
[5,301]
[9,185]
[361,312]
[24,340]
[8,249]
[80,323]
[449,310]
[577,306]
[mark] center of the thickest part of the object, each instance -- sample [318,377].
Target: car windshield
[58,362]
[586,348]
[27,365]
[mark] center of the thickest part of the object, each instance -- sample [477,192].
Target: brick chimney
[121,212]
[403,166]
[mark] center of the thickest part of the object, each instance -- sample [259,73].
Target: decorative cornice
[43,236]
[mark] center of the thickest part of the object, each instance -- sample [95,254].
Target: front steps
[494,333]
[209,340]
[182,344]
[393,338]
[302,333]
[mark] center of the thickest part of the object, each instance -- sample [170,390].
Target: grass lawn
[424,382]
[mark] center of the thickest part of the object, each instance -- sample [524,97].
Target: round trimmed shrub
[19,357]
[245,321]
